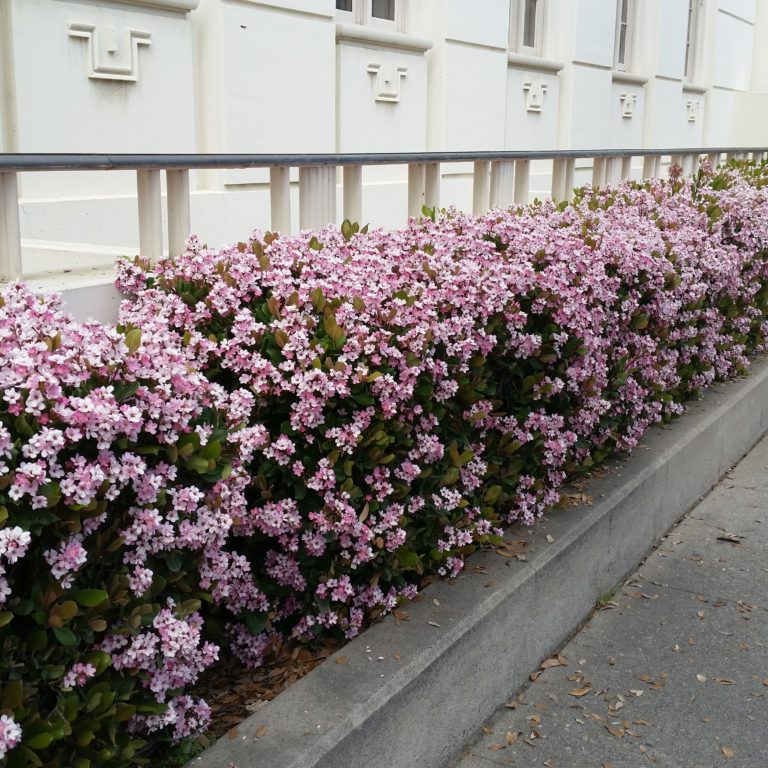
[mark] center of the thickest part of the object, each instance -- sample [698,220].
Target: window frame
[629,35]
[693,34]
[517,28]
[362,13]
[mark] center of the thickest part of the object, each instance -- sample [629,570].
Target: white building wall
[295,76]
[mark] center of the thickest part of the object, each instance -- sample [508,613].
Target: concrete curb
[413,693]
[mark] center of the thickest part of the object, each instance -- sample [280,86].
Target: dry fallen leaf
[487,730]
[497,746]
[580,691]
[534,719]
[550,540]
[727,752]
[232,734]
[724,680]
[701,678]
[402,615]
[510,737]
[547,663]
[433,624]
[615,731]
[342,659]
[535,674]
[260,731]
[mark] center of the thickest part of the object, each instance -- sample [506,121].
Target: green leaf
[151,709]
[492,494]
[409,560]
[347,230]
[13,695]
[256,623]
[90,598]
[41,741]
[133,339]
[65,636]
[5,618]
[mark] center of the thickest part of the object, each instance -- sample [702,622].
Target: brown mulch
[234,692]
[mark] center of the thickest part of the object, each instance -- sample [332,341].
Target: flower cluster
[404,393]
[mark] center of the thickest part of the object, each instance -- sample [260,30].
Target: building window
[377,13]
[526,26]
[691,36]
[625,18]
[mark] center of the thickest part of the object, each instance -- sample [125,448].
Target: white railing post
[150,213]
[502,183]
[352,190]
[714,159]
[626,168]
[598,172]
[432,185]
[613,170]
[689,164]
[179,226]
[651,166]
[10,231]
[676,160]
[522,181]
[317,196]
[562,179]
[481,186]
[416,183]
[280,198]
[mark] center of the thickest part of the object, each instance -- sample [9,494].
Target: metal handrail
[498,178]
[154,161]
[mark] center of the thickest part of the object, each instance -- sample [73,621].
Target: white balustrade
[498,182]
[416,184]
[562,179]
[317,196]
[280,198]
[432,185]
[522,181]
[481,186]
[502,183]
[179,226]
[352,190]
[651,166]
[10,236]
[150,213]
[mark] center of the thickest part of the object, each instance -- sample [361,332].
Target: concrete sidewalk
[672,670]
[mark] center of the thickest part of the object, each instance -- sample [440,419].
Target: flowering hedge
[281,437]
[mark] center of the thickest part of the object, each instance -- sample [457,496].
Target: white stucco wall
[263,76]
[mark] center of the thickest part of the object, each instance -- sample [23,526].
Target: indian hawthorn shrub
[283,436]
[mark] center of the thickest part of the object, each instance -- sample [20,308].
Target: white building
[318,76]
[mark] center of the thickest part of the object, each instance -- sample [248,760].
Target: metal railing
[498,178]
